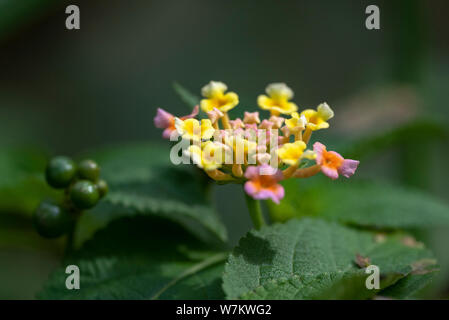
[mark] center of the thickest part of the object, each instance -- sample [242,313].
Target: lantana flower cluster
[258,153]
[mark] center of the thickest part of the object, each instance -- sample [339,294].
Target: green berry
[84,194]
[89,170]
[60,172]
[52,221]
[103,188]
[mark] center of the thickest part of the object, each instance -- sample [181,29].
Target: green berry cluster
[83,188]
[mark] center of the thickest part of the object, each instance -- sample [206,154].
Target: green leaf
[129,162]
[186,96]
[361,203]
[22,184]
[141,258]
[420,130]
[142,181]
[424,272]
[305,259]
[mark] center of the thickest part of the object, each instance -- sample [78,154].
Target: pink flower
[251,131]
[263,183]
[251,126]
[332,163]
[239,132]
[214,115]
[165,120]
[251,117]
[266,124]
[277,121]
[237,123]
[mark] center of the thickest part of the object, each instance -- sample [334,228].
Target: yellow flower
[291,153]
[241,148]
[317,120]
[240,143]
[277,100]
[296,122]
[210,156]
[192,129]
[215,95]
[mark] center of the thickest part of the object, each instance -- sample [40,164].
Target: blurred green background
[68,91]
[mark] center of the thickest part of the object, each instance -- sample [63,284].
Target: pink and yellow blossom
[277,101]
[214,115]
[263,183]
[237,124]
[215,97]
[317,119]
[332,163]
[247,150]
[210,156]
[277,121]
[296,122]
[266,124]
[192,129]
[291,153]
[251,117]
[166,121]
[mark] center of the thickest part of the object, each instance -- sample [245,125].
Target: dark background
[72,90]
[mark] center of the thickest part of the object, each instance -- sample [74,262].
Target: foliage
[22,184]
[157,234]
[305,259]
[415,131]
[135,259]
[361,203]
[143,182]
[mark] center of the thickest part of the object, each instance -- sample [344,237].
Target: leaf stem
[255,211]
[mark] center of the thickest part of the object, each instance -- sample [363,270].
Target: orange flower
[332,163]
[263,183]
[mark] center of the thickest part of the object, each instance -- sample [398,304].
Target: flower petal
[163,119]
[275,193]
[330,172]
[251,188]
[348,167]
[279,90]
[251,117]
[278,193]
[319,148]
[251,172]
[166,134]
[325,112]
[213,88]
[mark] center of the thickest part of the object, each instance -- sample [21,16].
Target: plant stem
[255,211]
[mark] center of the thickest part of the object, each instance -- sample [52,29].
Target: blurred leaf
[22,184]
[129,162]
[142,181]
[186,96]
[422,130]
[407,287]
[305,259]
[17,232]
[141,258]
[360,203]
[352,286]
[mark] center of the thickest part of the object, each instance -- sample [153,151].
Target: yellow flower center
[191,127]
